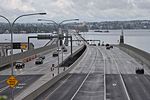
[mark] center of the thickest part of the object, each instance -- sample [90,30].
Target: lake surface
[136,38]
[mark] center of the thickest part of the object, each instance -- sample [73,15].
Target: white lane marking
[85,78]
[121,78]
[104,59]
[104,79]
[4,88]
[80,86]
[57,88]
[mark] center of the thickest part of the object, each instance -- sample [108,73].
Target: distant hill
[133,24]
[85,26]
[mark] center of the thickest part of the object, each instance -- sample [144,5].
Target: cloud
[85,10]
[20,5]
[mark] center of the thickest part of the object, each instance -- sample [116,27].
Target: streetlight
[59,31]
[11,31]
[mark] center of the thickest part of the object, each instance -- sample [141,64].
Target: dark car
[65,50]
[139,71]
[107,47]
[111,46]
[42,57]
[19,65]
[55,54]
[39,61]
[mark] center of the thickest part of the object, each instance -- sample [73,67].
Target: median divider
[33,90]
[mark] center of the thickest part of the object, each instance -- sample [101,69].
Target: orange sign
[12,81]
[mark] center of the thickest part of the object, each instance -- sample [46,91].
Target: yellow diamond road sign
[23,46]
[12,81]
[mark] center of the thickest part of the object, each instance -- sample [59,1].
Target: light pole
[11,31]
[59,31]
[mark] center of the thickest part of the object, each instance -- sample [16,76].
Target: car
[139,71]
[42,57]
[59,50]
[39,61]
[107,47]
[55,54]
[65,50]
[111,46]
[19,65]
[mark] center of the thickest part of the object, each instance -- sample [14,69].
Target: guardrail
[31,53]
[140,55]
[48,84]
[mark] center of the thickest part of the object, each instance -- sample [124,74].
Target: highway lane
[84,82]
[32,70]
[137,86]
[115,86]
[126,63]
[87,81]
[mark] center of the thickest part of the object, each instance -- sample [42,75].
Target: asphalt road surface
[132,86]
[85,82]
[30,73]
[102,75]
[24,81]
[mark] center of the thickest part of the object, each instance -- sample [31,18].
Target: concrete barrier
[48,84]
[7,60]
[140,55]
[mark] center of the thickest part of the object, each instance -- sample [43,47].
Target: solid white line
[83,81]
[57,87]
[80,86]
[121,78]
[4,88]
[104,79]
[104,59]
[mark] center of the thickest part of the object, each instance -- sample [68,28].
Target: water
[136,38]
[23,38]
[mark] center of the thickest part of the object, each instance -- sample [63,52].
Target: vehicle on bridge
[39,61]
[42,57]
[59,50]
[55,54]
[111,46]
[139,70]
[107,45]
[64,49]
[19,65]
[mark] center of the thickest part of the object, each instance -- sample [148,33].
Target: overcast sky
[85,10]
